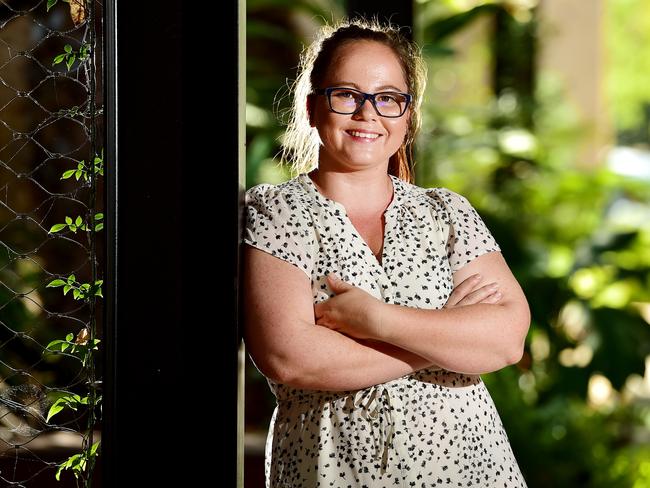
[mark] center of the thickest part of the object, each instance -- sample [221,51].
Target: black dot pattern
[430,428]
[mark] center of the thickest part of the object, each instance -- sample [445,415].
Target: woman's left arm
[472,339]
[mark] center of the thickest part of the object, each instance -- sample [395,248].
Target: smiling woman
[376,373]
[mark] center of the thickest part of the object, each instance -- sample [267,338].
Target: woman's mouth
[362,137]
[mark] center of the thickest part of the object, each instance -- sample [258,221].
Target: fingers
[486,294]
[463,289]
[493,298]
[465,294]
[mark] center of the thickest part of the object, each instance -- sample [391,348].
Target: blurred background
[539,113]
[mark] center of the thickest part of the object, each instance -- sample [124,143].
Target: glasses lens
[389,104]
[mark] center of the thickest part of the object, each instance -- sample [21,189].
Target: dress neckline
[387,250]
[315,192]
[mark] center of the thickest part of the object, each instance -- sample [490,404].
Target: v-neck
[388,224]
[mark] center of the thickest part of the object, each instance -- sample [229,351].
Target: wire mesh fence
[51,168]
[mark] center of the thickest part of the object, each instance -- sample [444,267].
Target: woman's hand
[353,311]
[467,294]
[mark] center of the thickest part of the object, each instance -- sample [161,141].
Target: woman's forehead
[368,66]
[363,45]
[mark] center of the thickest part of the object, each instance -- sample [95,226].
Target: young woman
[372,327]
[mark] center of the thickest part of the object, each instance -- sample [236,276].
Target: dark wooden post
[174,130]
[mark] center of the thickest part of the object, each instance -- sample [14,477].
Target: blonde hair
[300,142]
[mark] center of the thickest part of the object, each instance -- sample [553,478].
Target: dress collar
[306,181]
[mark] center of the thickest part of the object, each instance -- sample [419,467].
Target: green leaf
[57,227]
[93,449]
[54,409]
[78,221]
[68,48]
[68,220]
[72,462]
[54,343]
[99,227]
[58,59]
[55,283]
[50,4]
[66,289]
[68,174]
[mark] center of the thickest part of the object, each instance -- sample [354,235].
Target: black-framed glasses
[348,101]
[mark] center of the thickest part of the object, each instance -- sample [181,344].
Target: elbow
[517,351]
[284,376]
[516,357]
[272,367]
[290,373]
[283,372]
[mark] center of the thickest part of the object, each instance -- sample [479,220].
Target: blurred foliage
[577,406]
[627,23]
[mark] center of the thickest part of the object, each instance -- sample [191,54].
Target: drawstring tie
[376,408]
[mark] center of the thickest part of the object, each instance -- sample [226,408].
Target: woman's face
[367,66]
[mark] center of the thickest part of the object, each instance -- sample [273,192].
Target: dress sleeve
[469,237]
[275,224]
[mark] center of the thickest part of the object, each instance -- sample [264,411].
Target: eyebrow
[338,83]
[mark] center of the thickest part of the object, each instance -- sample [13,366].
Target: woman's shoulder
[433,193]
[274,193]
[285,201]
[438,198]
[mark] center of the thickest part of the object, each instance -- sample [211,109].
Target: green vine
[70,401]
[80,346]
[82,171]
[77,462]
[80,291]
[78,224]
[70,55]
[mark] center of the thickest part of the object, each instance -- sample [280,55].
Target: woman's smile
[364,138]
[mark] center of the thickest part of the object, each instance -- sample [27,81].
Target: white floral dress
[427,429]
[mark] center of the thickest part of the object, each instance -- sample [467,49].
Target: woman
[371,328]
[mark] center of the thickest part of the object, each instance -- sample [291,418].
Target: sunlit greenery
[627,23]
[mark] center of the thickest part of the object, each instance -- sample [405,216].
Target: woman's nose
[366,110]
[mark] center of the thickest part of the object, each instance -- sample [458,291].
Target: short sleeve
[276,224]
[469,236]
